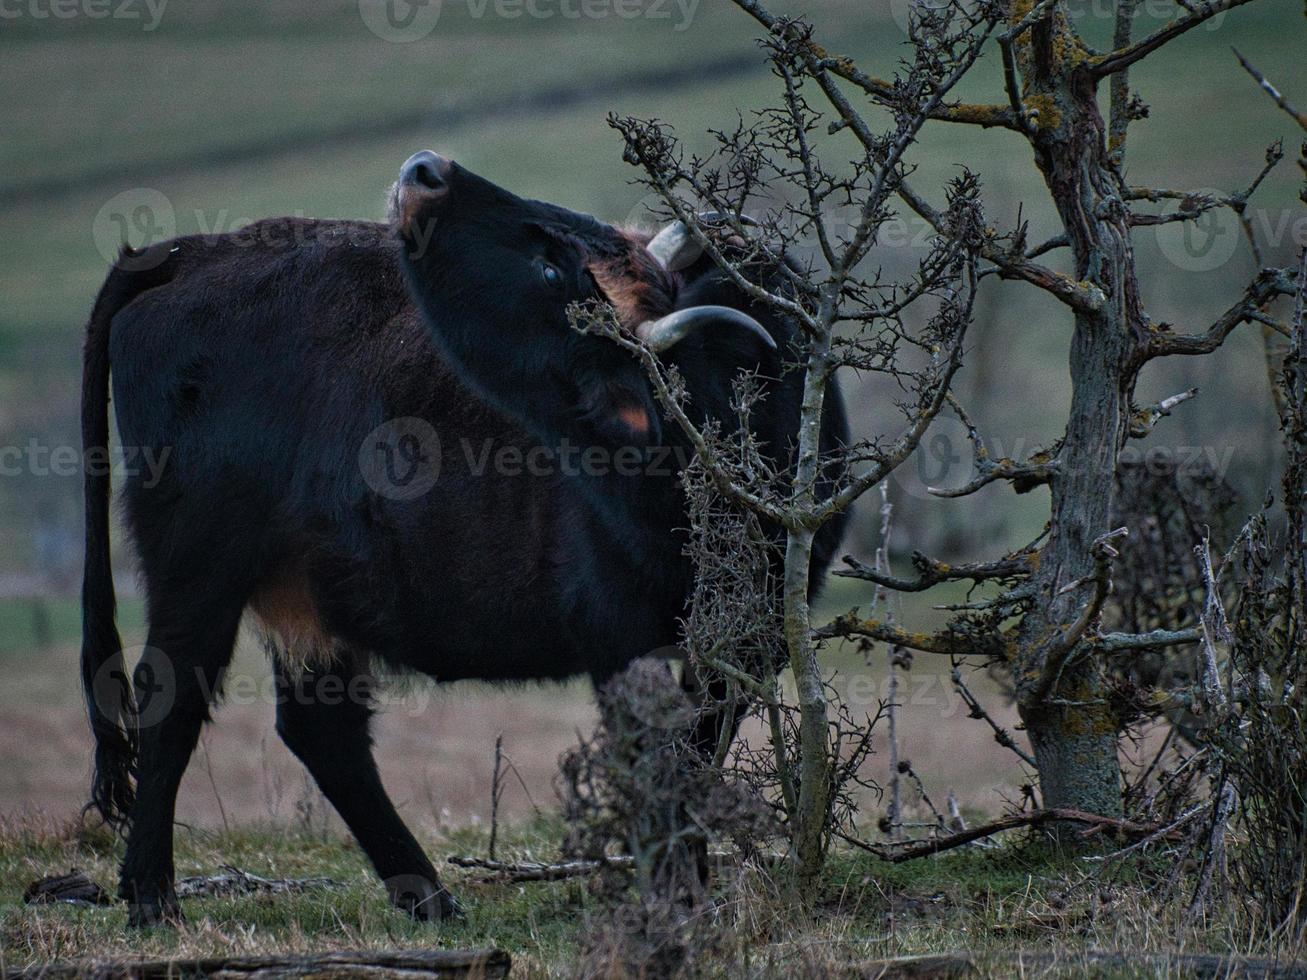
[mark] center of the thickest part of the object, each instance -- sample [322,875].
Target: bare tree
[802,252]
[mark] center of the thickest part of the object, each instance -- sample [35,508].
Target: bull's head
[495,274]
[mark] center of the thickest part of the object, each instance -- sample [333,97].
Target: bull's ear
[617,415]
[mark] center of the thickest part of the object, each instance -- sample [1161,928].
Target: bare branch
[1001,735]
[908,441]
[1155,640]
[1122,58]
[884,93]
[1036,471]
[946,643]
[932,572]
[537,870]
[1079,296]
[1266,287]
[1144,420]
[1060,650]
[1299,117]
[919,849]
[1215,629]
[1122,112]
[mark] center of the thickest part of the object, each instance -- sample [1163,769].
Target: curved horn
[667,331]
[674,248]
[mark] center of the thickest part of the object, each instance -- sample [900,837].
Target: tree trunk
[808,831]
[1062,695]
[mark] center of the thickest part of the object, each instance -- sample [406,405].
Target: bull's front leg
[329,734]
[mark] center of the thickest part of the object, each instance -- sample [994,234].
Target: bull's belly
[451,633]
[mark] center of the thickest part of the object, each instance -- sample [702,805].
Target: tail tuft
[105,684]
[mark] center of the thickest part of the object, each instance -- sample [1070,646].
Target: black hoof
[425,899]
[159,912]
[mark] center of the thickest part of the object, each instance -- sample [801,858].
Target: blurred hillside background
[184,116]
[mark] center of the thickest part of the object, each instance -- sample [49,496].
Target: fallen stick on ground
[896,854]
[536,870]
[234,881]
[482,964]
[1034,964]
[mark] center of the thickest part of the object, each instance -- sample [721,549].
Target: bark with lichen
[1071,726]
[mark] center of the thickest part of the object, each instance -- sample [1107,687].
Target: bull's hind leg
[323,718]
[176,682]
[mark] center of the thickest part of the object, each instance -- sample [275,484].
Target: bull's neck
[640,505]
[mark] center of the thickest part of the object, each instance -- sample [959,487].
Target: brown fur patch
[633,282]
[635,418]
[289,622]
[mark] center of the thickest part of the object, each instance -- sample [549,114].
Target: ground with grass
[985,901]
[244,109]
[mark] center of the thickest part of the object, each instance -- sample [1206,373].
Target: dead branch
[932,572]
[1299,117]
[1215,629]
[1090,963]
[1214,855]
[1270,284]
[1155,640]
[1056,657]
[936,845]
[538,871]
[946,643]
[483,964]
[234,881]
[1077,295]
[1123,58]
[1144,420]
[1001,735]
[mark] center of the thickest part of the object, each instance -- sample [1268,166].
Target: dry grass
[990,903]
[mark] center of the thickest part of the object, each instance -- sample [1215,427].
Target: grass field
[984,902]
[238,110]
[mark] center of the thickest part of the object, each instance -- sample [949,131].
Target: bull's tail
[105,684]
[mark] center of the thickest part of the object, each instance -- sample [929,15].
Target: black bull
[337,403]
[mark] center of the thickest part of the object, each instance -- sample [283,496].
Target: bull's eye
[552,277]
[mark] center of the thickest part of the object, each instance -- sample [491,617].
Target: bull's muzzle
[423,182]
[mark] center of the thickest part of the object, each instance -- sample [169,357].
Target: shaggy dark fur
[264,363]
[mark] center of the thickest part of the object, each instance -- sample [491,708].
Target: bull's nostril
[426,175]
[426,169]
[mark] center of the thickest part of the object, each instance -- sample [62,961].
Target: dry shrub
[638,788]
[1264,746]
